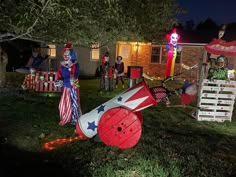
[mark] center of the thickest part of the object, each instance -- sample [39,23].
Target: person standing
[68,72]
[119,70]
[104,70]
[3,66]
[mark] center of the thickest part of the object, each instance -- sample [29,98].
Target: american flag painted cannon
[118,122]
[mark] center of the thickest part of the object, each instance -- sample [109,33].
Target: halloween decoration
[172,48]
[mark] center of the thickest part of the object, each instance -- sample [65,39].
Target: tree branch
[31,28]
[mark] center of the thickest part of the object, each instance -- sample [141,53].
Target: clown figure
[68,72]
[172,48]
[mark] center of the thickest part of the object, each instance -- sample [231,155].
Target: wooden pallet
[216,101]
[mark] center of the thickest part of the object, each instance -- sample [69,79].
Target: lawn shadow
[177,140]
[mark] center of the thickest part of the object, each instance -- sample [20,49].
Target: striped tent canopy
[221,47]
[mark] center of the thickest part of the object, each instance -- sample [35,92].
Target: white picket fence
[216,102]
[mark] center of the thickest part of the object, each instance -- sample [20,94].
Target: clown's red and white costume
[68,72]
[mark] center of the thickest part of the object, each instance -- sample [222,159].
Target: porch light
[136,46]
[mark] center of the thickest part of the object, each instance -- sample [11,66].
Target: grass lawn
[172,143]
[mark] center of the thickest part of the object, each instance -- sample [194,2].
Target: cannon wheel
[120,127]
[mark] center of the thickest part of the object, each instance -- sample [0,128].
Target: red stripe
[65,108]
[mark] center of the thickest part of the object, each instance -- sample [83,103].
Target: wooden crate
[41,81]
[216,102]
[45,82]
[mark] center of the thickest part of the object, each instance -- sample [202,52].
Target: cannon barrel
[133,99]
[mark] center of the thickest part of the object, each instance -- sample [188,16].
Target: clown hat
[68,45]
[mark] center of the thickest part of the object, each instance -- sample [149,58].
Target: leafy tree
[206,25]
[189,25]
[84,22]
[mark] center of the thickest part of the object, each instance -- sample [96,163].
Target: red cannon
[119,120]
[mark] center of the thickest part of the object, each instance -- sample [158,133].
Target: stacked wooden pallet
[216,102]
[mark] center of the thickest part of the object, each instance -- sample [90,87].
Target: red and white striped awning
[221,47]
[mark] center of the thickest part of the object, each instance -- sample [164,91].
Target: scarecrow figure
[68,72]
[172,48]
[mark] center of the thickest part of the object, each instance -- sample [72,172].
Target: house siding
[87,66]
[191,55]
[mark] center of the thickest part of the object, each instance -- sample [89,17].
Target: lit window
[95,52]
[159,55]
[52,50]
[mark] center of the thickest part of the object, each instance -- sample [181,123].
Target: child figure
[68,72]
[119,70]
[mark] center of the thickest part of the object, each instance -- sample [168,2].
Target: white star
[132,104]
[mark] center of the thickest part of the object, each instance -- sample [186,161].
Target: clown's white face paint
[66,55]
[174,39]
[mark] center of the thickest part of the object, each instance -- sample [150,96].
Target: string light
[51,145]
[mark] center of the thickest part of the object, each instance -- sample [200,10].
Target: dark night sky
[220,11]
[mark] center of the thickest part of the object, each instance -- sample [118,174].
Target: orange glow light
[50,145]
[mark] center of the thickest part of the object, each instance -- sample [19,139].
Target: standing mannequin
[68,72]
[104,69]
[3,66]
[119,70]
